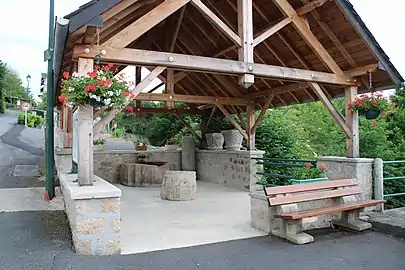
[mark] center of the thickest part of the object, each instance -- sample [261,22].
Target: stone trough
[142,174]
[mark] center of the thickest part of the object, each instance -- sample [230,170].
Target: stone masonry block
[110,205]
[90,227]
[83,247]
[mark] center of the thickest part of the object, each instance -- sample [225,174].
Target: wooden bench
[339,195]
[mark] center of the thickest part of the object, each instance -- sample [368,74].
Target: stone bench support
[94,215]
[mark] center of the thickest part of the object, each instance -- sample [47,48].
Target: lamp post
[28,85]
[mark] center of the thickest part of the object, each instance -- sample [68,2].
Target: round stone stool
[179,186]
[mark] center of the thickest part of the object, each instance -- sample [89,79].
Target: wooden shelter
[235,55]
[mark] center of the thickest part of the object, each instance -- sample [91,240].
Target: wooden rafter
[192,99]
[208,65]
[145,23]
[308,36]
[144,110]
[262,113]
[278,90]
[359,71]
[217,22]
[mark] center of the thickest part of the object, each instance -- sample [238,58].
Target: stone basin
[143,174]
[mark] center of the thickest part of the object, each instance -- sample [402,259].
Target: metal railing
[380,180]
[272,163]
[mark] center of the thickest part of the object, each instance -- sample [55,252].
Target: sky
[24,32]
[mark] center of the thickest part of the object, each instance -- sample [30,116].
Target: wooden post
[250,114]
[85,133]
[138,79]
[352,122]
[245,31]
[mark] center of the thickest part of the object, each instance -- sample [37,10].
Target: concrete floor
[149,223]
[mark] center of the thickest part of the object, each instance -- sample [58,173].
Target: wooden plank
[272,191]
[192,99]
[208,65]
[308,36]
[352,122]
[217,22]
[245,31]
[262,112]
[330,209]
[145,23]
[234,123]
[331,108]
[271,31]
[310,6]
[321,195]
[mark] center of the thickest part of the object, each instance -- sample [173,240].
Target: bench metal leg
[350,219]
[292,231]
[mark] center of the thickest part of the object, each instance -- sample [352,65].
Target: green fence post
[379,182]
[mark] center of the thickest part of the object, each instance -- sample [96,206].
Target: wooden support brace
[331,108]
[271,31]
[262,113]
[310,6]
[188,127]
[234,123]
[210,119]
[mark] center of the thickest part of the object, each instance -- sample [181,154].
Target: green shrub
[118,132]
[2,101]
[32,120]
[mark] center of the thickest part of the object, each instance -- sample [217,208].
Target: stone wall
[346,168]
[94,215]
[234,169]
[107,162]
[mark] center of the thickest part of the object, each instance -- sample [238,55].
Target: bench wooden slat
[270,191]
[330,209]
[304,197]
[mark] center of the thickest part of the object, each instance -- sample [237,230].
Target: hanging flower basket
[371,105]
[372,114]
[99,88]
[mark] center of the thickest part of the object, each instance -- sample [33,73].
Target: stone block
[179,186]
[90,227]
[110,205]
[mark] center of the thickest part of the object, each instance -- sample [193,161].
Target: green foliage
[99,88]
[13,84]
[3,70]
[374,101]
[99,142]
[118,132]
[32,120]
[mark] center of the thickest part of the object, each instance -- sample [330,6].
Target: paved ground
[391,221]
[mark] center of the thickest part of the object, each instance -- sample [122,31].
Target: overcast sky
[24,32]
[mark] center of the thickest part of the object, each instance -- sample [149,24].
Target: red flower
[96,67]
[126,94]
[106,68]
[92,74]
[373,125]
[62,98]
[101,82]
[110,65]
[90,88]
[66,75]
[130,109]
[308,165]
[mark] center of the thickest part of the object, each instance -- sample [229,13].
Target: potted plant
[99,144]
[370,106]
[171,144]
[141,144]
[99,88]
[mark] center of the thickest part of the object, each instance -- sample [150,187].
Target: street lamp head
[28,78]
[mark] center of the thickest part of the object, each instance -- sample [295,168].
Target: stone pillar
[379,182]
[254,169]
[188,153]
[345,168]
[85,145]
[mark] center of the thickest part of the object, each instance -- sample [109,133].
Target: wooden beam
[250,116]
[208,65]
[177,29]
[89,35]
[310,6]
[352,122]
[144,110]
[272,30]
[145,23]
[359,71]
[331,108]
[278,90]
[234,123]
[245,31]
[188,127]
[192,99]
[136,91]
[170,86]
[217,22]
[308,36]
[156,87]
[209,119]
[262,113]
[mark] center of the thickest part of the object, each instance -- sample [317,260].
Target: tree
[3,70]
[13,84]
